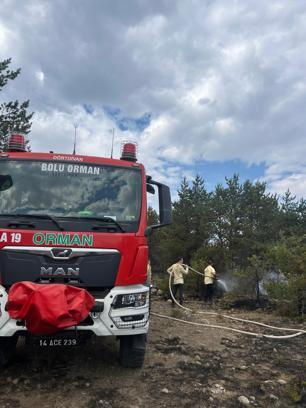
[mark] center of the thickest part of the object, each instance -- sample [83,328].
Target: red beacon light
[129,151]
[16,143]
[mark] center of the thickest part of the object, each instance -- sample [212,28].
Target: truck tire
[7,347]
[132,350]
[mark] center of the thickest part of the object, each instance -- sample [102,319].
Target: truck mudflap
[124,311]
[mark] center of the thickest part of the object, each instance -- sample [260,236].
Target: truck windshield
[81,190]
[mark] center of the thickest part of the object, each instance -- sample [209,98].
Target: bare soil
[186,366]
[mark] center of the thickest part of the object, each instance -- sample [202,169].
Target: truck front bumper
[112,321]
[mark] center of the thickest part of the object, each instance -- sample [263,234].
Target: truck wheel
[7,347]
[132,350]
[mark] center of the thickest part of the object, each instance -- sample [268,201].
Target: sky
[209,87]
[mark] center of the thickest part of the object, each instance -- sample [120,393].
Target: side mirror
[150,189]
[6,182]
[165,207]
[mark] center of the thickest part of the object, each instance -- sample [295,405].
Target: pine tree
[13,114]
[289,214]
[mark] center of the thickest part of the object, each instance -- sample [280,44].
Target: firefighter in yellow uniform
[177,270]
[209,278]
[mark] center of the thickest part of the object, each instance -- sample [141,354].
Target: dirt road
[186,366]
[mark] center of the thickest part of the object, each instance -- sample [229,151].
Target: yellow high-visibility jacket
[209,275]
[178,271]
[149,274]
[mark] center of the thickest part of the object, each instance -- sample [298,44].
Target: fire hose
[297,332]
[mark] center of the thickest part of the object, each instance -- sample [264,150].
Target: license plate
[56,342]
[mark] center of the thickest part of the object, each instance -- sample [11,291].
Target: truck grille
[94,269]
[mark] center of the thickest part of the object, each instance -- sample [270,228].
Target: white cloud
[5,34]
[223,80]
[225,126]
[55,131]
[40,76]
[296,183]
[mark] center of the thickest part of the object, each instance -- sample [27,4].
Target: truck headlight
[131,300]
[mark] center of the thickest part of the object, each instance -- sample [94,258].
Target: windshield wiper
[100,219]
[111,220]
[39,216]
[18,224]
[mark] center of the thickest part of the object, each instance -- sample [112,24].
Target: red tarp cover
[47,308]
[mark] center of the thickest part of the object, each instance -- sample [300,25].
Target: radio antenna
[75,136]
[113,136]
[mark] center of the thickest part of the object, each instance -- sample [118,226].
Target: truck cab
[80,221]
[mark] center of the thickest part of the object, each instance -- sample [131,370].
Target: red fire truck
[80,221]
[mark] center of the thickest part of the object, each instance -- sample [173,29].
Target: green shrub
[289,297]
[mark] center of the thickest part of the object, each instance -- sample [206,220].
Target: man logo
[61,272]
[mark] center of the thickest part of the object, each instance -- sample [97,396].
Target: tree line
[249,232]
